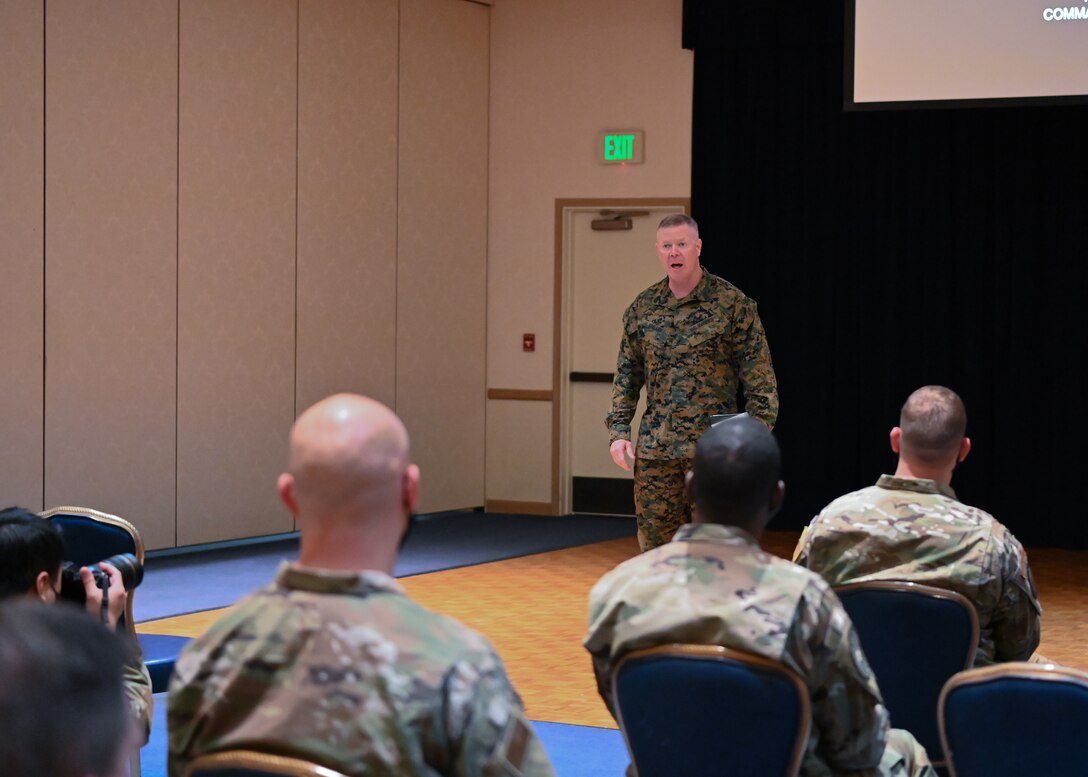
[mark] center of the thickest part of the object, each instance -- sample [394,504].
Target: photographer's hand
[117,593]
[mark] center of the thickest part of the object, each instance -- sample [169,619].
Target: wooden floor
[534,610]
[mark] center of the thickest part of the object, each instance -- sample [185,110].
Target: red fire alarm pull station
[528,342]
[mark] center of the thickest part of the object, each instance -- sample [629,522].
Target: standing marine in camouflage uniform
[713,585]
[910,526]
[333,662]
[693,340]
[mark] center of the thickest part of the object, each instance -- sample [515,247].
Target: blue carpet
[584,751]
[576,751]
[176,584]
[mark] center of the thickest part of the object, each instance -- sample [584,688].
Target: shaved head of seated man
[911,526]
[736,595]
[332,662]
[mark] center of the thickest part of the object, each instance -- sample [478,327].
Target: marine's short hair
[29,545]
[933,421]
[61,694]
[679,220]
[736,468]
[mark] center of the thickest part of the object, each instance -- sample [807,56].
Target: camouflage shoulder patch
[860,661]
[515,747]
[1023,570]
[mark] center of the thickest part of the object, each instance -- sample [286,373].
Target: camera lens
[132,572]
[71,585]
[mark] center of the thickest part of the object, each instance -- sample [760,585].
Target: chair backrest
[915,637]
[250,763]
[709,710]
[1015,719]
[91,536]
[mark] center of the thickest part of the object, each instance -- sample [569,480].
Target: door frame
[564,211]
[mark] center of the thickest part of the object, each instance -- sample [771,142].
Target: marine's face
[678,248]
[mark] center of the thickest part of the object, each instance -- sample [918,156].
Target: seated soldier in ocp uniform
[713,585]
[910,526]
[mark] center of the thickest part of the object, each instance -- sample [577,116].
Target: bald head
[348,457]
[735,474]
[933,423]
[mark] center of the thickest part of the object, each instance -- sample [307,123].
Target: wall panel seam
[45,60]
[396,220]
[298,89]
[177,271]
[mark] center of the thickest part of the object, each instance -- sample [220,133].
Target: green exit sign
[620,147]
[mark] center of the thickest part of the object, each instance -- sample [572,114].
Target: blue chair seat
[705,710]
[915,637]
[160,653]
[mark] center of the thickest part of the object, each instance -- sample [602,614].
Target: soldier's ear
[965,448]
[778,494]
[687,486]
[285,485]
[894,437]
[410,488]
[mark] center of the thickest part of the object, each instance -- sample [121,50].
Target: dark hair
[933,421]
[29,545]
[62,703]
[679,220]
[735,471]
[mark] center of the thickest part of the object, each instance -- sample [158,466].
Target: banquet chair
[914,637]
[1014,718]
[709,710]
[91,536]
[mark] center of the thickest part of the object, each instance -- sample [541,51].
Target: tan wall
[22,164]
[561,71]
[236,264]
[347,199]
[246,206]
[442,275]
[239,208]
[110,260]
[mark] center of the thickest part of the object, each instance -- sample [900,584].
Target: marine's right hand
[622,451]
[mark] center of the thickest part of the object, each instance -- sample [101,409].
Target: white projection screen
[918,53]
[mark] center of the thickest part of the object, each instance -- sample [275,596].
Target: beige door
[606,269]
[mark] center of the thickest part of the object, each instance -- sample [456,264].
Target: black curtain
[892,249]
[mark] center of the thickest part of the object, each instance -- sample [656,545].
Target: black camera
[71,585]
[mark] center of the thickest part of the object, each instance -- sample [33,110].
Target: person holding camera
[32,565]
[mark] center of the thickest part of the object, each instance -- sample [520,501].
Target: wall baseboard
[524,395]
[605,496]
[520,508]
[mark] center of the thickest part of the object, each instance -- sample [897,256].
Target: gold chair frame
[929,590]
[717,652]
[252,759]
